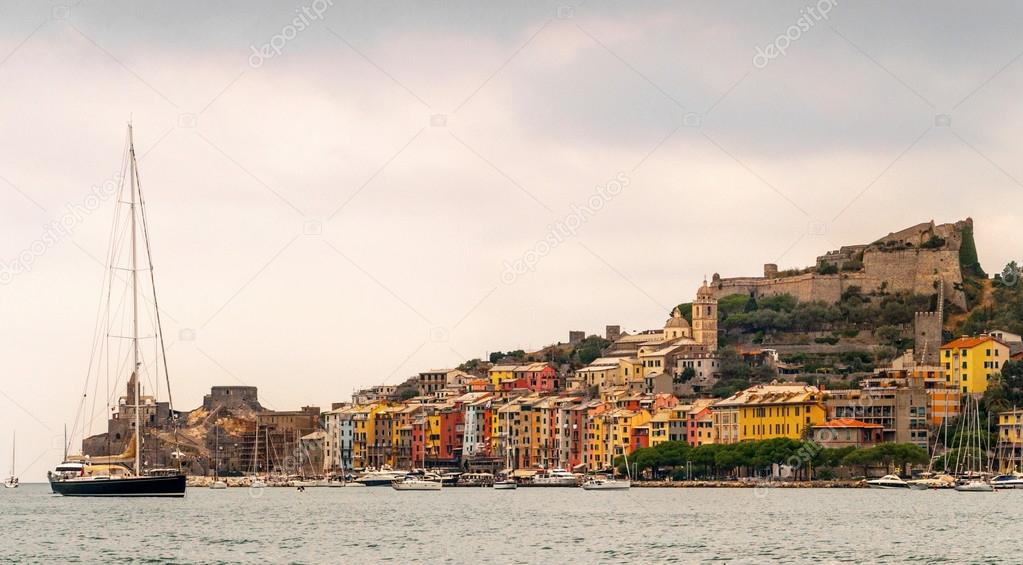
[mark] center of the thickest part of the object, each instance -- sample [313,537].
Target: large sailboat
[119,322]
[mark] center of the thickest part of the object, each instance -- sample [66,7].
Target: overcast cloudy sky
[339,192]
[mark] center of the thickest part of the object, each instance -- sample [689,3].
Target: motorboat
[416,483]
[380,478]
[218,485]
[1010,481]
[888,482]
[257,483]
[555,478]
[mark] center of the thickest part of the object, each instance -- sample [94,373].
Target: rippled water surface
[463,525]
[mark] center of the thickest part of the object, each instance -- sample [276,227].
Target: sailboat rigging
[110,475]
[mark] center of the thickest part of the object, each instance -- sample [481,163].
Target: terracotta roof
[968,342]
[848,423]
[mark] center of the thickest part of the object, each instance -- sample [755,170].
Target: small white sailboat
[888,482]
[12,481]
[975,485]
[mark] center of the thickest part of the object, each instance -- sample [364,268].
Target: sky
[342,194]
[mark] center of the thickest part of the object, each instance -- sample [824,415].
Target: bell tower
[705,317]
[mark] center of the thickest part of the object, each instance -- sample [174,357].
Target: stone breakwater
[202,482]
[750,484]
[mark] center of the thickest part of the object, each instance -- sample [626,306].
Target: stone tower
[927,332]
[705,317]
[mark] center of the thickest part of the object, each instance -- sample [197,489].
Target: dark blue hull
[172,486]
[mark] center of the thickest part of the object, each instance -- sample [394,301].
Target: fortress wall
[805,288]
[915,270]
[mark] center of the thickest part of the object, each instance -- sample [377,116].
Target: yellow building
[500,373]
[971,362]
[1010,441]
[772,411]
[660,426]
[364,430]
[596,438]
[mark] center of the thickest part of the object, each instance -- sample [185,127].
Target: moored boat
[975,485]
[506,484]
[380,478]
[888,482]
[555,478]
[416,483]
[1010,481]
[80,479]
[606,483]
[931,483]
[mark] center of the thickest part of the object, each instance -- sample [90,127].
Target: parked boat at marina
[416,483]
[555,478]
[380,478]
[888,482]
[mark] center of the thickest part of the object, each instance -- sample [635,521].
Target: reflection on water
[462,525]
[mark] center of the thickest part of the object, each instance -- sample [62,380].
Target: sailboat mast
[255,453]
[135,311]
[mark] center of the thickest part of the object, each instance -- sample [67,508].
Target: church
[656,357]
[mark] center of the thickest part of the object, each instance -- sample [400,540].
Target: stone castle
[917,259]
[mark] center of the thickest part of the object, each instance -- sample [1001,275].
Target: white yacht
[556,478]
[888,482]
[1010,481]
[380,478]
[416,483]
